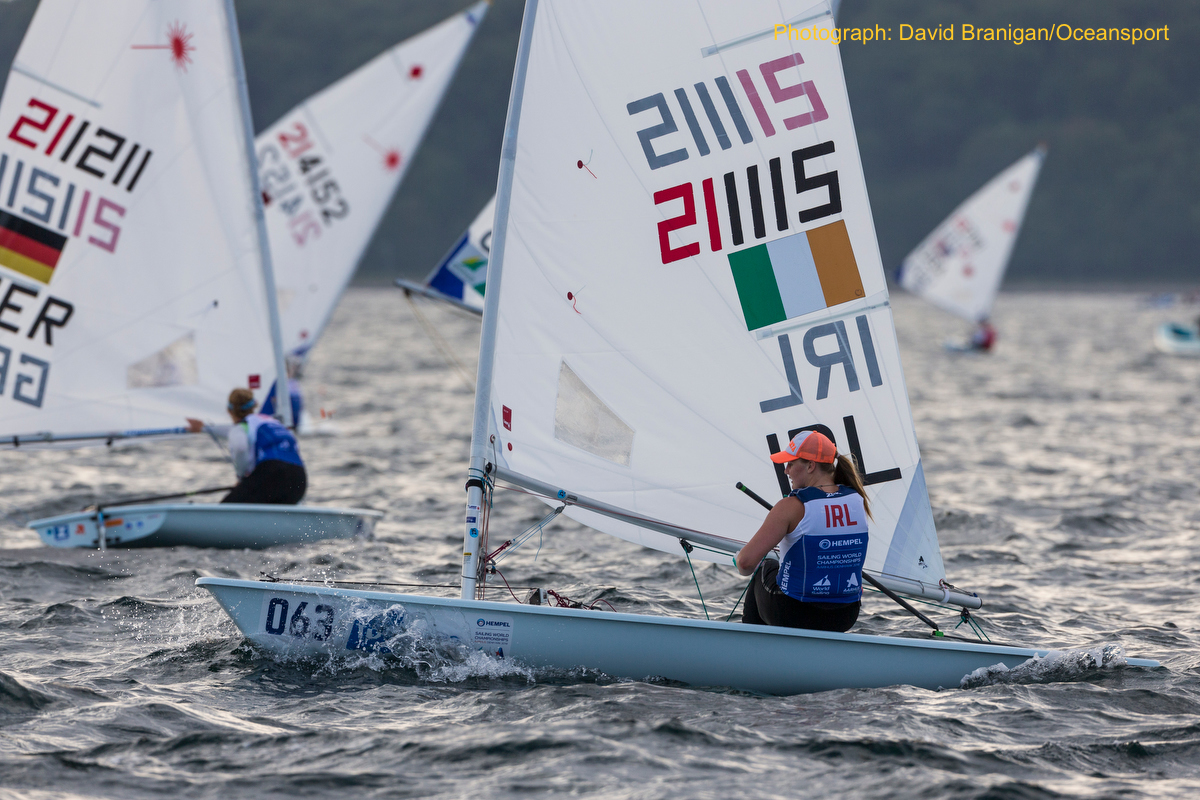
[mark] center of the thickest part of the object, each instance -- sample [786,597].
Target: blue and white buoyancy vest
[821,561]
[270,441]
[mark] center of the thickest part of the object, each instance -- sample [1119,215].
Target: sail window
[581,419]
[174,365]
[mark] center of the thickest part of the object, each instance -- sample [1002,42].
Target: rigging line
[481,545]
[524,536]
[709,549]
[440,343]
[975,627]
[486,514]
[953,609]
[739,600]
[625,515]
[687,552]
[220,445]
[510,591]
[272,579]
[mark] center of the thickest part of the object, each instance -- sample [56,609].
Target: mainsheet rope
[689,546]
[687,549]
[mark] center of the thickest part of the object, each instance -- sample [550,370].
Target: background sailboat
[330,167]
[643,330]
[1178,339]
[960,265]
[130,250]
[132,255]
[461,276]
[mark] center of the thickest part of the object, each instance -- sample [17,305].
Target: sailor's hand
[194,425]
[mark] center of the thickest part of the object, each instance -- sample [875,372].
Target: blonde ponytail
[846,473]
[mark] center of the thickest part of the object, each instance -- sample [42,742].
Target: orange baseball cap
[809,445]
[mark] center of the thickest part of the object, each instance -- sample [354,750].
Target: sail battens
[16,67]
[712,50]
[843,312]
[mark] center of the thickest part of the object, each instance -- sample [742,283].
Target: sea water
[1063,474]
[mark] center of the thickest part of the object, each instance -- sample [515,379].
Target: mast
[282,393]
[491,307]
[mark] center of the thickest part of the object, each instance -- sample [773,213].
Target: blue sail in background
[462,274]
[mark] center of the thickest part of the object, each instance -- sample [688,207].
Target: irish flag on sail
[796,275]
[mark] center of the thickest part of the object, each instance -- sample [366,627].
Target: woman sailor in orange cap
[821,531]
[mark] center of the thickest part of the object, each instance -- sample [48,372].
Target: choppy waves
[1061,470]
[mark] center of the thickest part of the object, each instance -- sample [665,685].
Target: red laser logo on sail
[179,42]
[391,156]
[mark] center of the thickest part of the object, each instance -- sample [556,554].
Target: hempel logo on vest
[825,544]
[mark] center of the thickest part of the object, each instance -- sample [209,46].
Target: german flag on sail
[796,275]
[29,248]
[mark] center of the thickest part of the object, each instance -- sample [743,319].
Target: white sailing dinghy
[460,277]
[654,327]
[1177,339]
[330,167]
[960,265]
[137,287]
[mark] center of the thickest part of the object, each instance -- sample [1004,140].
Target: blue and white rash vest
[268,406]
[260,438]
[821,560]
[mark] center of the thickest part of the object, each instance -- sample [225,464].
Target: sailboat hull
[1176,339]
[294,621]
[205,525]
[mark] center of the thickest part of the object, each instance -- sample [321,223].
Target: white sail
[130,266]
[462,272]
[685,272]
[330,167]
[960,265]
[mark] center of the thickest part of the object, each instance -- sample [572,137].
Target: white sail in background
[685,272]
[330,167]
[960,265]
[462,273]
[130,271]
